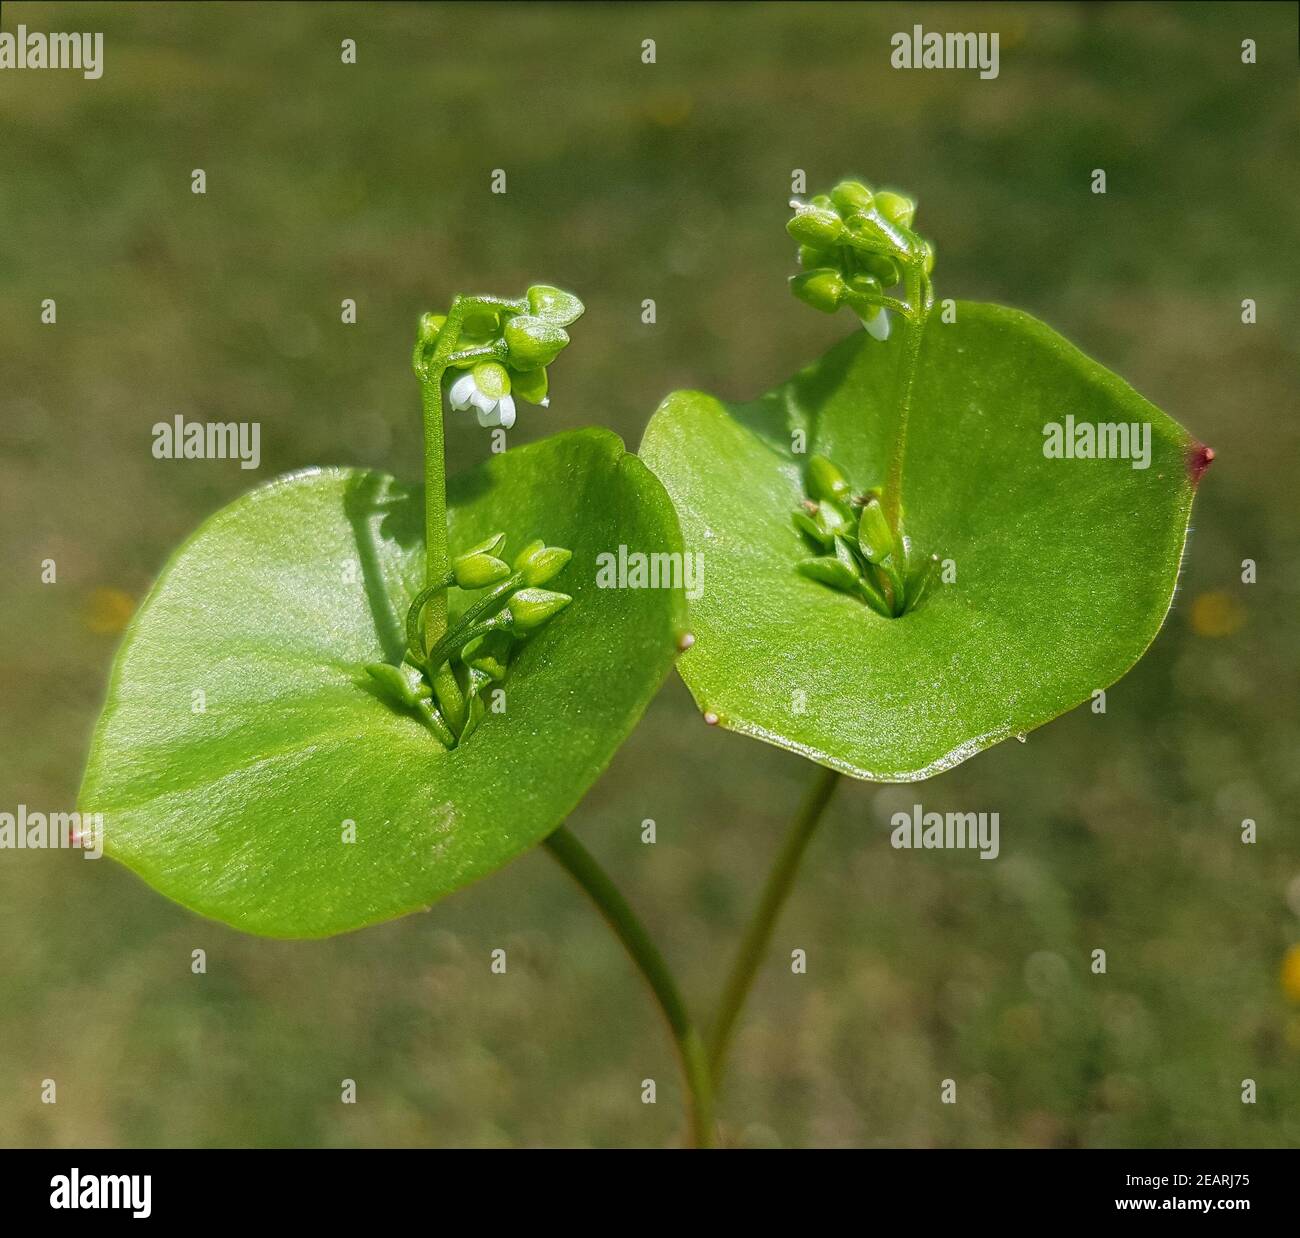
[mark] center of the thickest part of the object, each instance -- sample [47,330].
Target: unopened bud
[533,342]
[823,289]
[813,225]
[874,536]
[896,208]
[825,481]
[530,608]
[554,305]
[851,196]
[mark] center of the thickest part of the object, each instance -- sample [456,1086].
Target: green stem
[413,641]
[582,867]
[914,327]
[430,372]
[859,301]
[437,563]
[471,619]
[443,651]
[758,935]
[486,352]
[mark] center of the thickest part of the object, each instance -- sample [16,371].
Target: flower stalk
[498,348]
[855,244]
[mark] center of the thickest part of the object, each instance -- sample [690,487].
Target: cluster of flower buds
[854,245]
[502,350]
[857,552]
[446,685]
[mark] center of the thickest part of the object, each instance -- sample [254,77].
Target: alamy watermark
[208,440]
[928,49]
[124,1192]
[954,831]
[1098,440]
[55,831]
[661,569]
[24,49]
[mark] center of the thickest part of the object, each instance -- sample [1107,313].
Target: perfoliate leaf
[1054,574]
[244,741]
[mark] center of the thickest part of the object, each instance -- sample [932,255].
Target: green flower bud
[530,386]
[808,525]
[450,699]
[492,379]
[530,608]
[830,571]
[527,553]
[812,225]
[554,305]
[896,208]
[832,517]
[533,342]
[539,563]
[823,289]
[489,655]
[403,684]
[884,269]
[844,553]
[430,325]
[851,196]
[826,482]
[822,201]
[476,571]
[865,285]
[810,257]
[874,536]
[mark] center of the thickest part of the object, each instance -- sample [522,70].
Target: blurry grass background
[666,181]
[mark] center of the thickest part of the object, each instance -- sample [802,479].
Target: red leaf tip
[1198,460]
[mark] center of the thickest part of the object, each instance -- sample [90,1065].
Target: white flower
[486,389]
[878,324]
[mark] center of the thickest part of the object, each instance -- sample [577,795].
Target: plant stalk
[583,868]
[758,935]
[914,327]
[437,562]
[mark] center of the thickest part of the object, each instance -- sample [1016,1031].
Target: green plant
[265,756]
[307,727]
[949,579]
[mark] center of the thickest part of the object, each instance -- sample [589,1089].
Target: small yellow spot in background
[1290,976]
[108,611]
[670,108]
[1217,614]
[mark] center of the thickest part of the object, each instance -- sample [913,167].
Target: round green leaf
[1065,568]
[242,733]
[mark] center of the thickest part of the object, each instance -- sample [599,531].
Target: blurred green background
[669,181]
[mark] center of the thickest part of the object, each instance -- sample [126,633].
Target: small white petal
[545,402]
[506,411]
[879,325]
[482,401]
[462,390]
[489,417]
